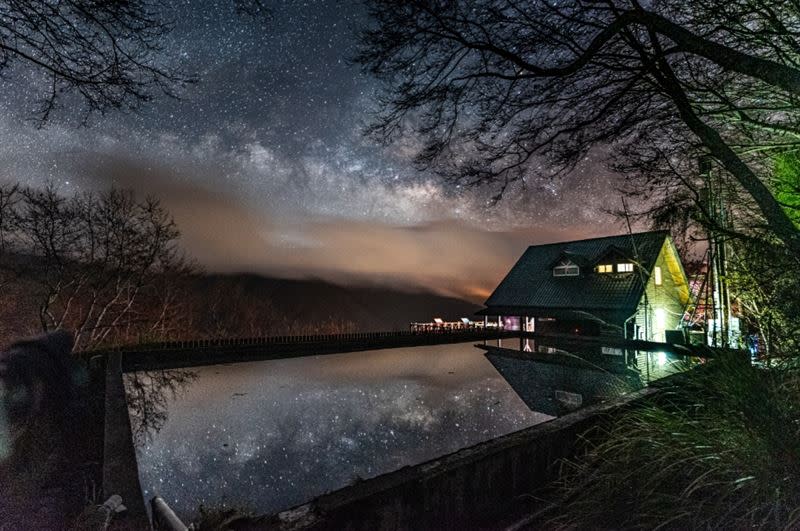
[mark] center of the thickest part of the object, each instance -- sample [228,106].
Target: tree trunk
[777,218]
[770,72]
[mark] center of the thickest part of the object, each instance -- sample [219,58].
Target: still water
[272,434]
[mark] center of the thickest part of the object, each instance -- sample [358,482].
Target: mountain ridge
[365,308]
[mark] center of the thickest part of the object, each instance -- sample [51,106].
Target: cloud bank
[330,214]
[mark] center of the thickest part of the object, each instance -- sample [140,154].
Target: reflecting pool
[268,435]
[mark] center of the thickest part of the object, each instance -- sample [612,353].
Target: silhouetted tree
[108,52]
[99,264]
[497,87]
[8,200]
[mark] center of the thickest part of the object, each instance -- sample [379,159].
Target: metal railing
[446,325]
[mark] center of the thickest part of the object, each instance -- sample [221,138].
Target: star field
[270,140]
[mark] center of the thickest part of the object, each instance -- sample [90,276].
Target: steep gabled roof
[531,284]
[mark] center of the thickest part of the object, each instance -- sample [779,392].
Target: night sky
[264,166]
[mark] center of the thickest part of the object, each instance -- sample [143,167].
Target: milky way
[270,140]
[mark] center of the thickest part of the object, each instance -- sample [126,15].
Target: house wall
[567,326]
[671,296]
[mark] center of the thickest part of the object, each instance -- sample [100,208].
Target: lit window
[605,268]
[566,269]
[657,275]
[626,267]
[661,319]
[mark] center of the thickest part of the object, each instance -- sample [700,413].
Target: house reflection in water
[555,381]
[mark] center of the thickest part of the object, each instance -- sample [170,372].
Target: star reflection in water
[269,435]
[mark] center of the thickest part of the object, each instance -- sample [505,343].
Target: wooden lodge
[630,286]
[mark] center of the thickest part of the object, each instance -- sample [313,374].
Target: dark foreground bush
[718,451]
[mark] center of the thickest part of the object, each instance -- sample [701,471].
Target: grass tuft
[719,451]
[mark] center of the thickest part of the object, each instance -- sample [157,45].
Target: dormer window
[566,268]
[613,260]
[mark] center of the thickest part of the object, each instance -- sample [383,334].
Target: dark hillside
[313,303]
[248,305]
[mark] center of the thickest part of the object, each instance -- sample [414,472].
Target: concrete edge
[120,469]
[196,356]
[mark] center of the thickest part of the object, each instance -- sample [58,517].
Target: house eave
[614,315]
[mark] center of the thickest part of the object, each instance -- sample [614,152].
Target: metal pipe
[164,518]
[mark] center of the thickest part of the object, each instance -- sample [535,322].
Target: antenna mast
[639,268]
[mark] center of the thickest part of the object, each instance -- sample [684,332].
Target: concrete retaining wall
[211,352]
[120,471]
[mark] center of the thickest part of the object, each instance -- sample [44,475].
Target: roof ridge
[665,231]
